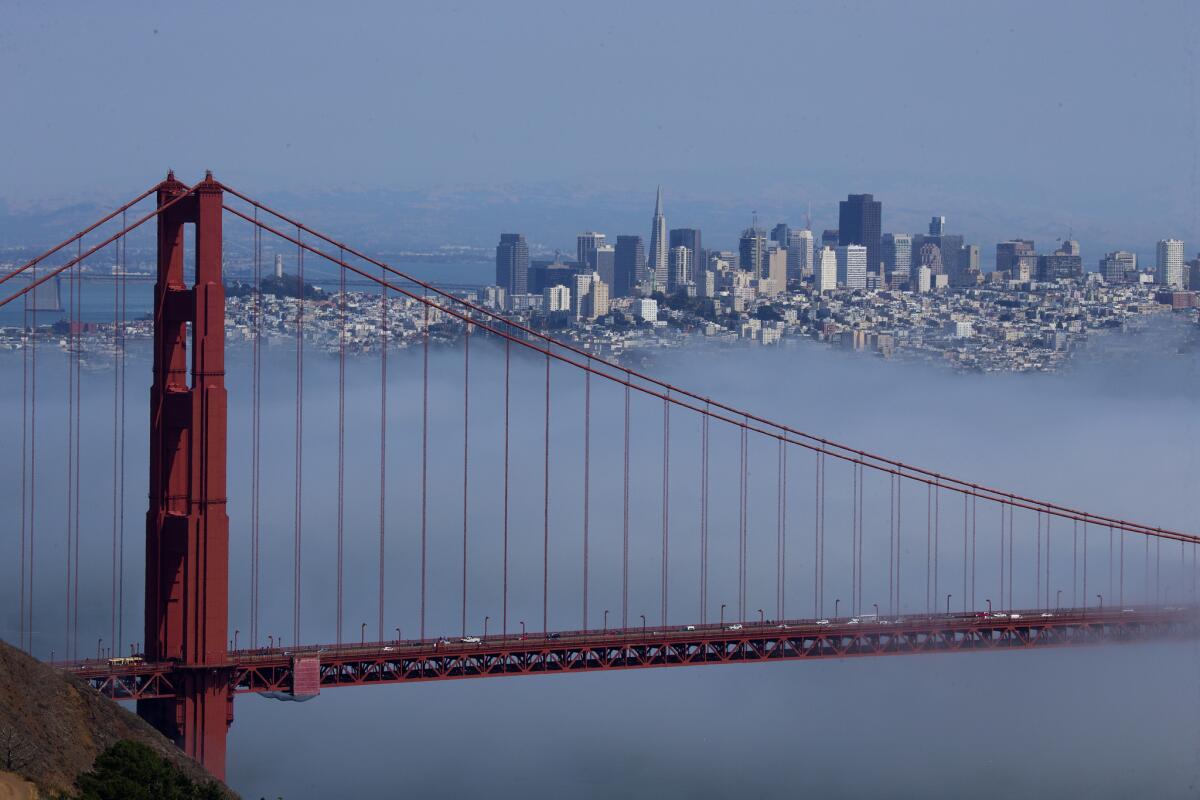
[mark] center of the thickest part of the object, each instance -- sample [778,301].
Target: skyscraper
[830,238]
[629,263]
[852,266]
[859,221]
[751,246]
[585,249]
[659,247]
[800,254]
[897,254]
[774,271]
[1170,263]
[781,234]
[825,270]
[689,238]
[605,258]
[512,263]
[681,269]
[937,226]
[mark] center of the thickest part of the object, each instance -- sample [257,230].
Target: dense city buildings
[512,263]
[860,223]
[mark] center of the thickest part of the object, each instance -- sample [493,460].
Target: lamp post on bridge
[522,630]
[1058,600]
[606,620]
[270,641]
[397,636]
[643,616]
[99,644]
[876,605]
[235,638]
[485,624]
[722,615]
[761,619]
[362,635]
[1100,597]
[989,602]
[837,601]
[948,603]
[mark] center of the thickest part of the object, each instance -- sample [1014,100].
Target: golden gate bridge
[824,494]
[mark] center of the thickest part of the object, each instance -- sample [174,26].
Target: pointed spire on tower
[658,212]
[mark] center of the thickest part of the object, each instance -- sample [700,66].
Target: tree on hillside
[16,751]
[132,771]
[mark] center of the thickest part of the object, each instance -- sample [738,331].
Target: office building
[897,254]
[825,270]
[555,299]
[751,247]
[629,260]
[830,238]
[689,238]
[800,254]
[859,222]
[1119,266]
[774,271]
[1169,263]
[605,263]
[852,266]
[585,249]
[1065,262]
[512,263]
[679,277]
[659,263]
[781,234]
[937,226]
[1008,255]
[646,308]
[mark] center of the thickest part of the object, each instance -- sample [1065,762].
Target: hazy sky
[1087,108]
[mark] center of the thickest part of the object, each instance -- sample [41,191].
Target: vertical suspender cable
[256,447]
[779,529]
[384,334]
[741,562]
[26,346]
[625,521]
[587,468]
[666,503]
[32,468]
[298,518]
[546,511]
[70,506]
[702,513]
[123,273]
[891,543]
[507,387]
[466,457]
[424,455]
[965,602]
[341,466]
[77,357]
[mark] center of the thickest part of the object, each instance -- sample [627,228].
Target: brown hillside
[57,726]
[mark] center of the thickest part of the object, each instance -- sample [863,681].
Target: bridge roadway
[275,669]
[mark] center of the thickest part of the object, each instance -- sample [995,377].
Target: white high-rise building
[583,287]
[681,268]
[646,308]
[658,258]
[852,266]
[825,270]
[897,255]
[799,254]
[556,298]
[1170,263]
[924,279]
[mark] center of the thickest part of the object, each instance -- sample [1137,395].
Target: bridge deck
[272,670]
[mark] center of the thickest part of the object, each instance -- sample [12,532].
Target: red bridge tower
[187,527]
